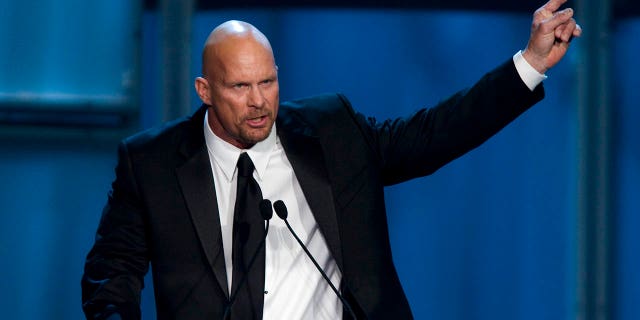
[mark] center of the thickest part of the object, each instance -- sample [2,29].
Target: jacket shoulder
[168,134]
[316,111]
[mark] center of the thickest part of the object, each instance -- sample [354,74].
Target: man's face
[244,93]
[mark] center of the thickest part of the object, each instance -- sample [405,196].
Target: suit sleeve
[116,265]
[420,144]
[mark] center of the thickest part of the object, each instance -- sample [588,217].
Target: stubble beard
[251,136]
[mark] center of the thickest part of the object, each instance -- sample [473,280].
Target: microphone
[281,211]
[266,212]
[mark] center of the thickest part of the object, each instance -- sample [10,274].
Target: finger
[559,18]
[553,5]
[567,32]
[559,30]
[578,31]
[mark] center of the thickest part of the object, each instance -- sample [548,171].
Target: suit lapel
[196,181]
[306,156]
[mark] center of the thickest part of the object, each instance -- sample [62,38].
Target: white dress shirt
[294,289]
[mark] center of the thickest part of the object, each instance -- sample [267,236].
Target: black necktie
[248,231]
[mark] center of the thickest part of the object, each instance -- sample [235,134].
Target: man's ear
[203,90]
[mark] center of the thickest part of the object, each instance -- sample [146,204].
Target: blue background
[489,236]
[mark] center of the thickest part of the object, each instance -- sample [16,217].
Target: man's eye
[240,85]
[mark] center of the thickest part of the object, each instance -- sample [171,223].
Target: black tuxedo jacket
[162,207]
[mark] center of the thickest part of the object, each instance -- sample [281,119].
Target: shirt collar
[226,155]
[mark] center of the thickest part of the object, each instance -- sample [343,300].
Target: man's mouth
[259,121]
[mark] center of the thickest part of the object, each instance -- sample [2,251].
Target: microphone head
[265,209]
[281,209]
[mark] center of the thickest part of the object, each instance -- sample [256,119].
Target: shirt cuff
[530,76]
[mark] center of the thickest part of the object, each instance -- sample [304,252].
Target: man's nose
[256,97]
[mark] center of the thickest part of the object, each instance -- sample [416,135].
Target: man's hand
[551,32]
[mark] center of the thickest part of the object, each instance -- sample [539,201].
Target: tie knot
[245,165]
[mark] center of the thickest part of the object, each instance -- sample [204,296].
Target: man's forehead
[250,64]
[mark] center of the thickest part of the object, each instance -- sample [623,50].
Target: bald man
[172,202]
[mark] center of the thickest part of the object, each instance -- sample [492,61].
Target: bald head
[239,84]
[229,37]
